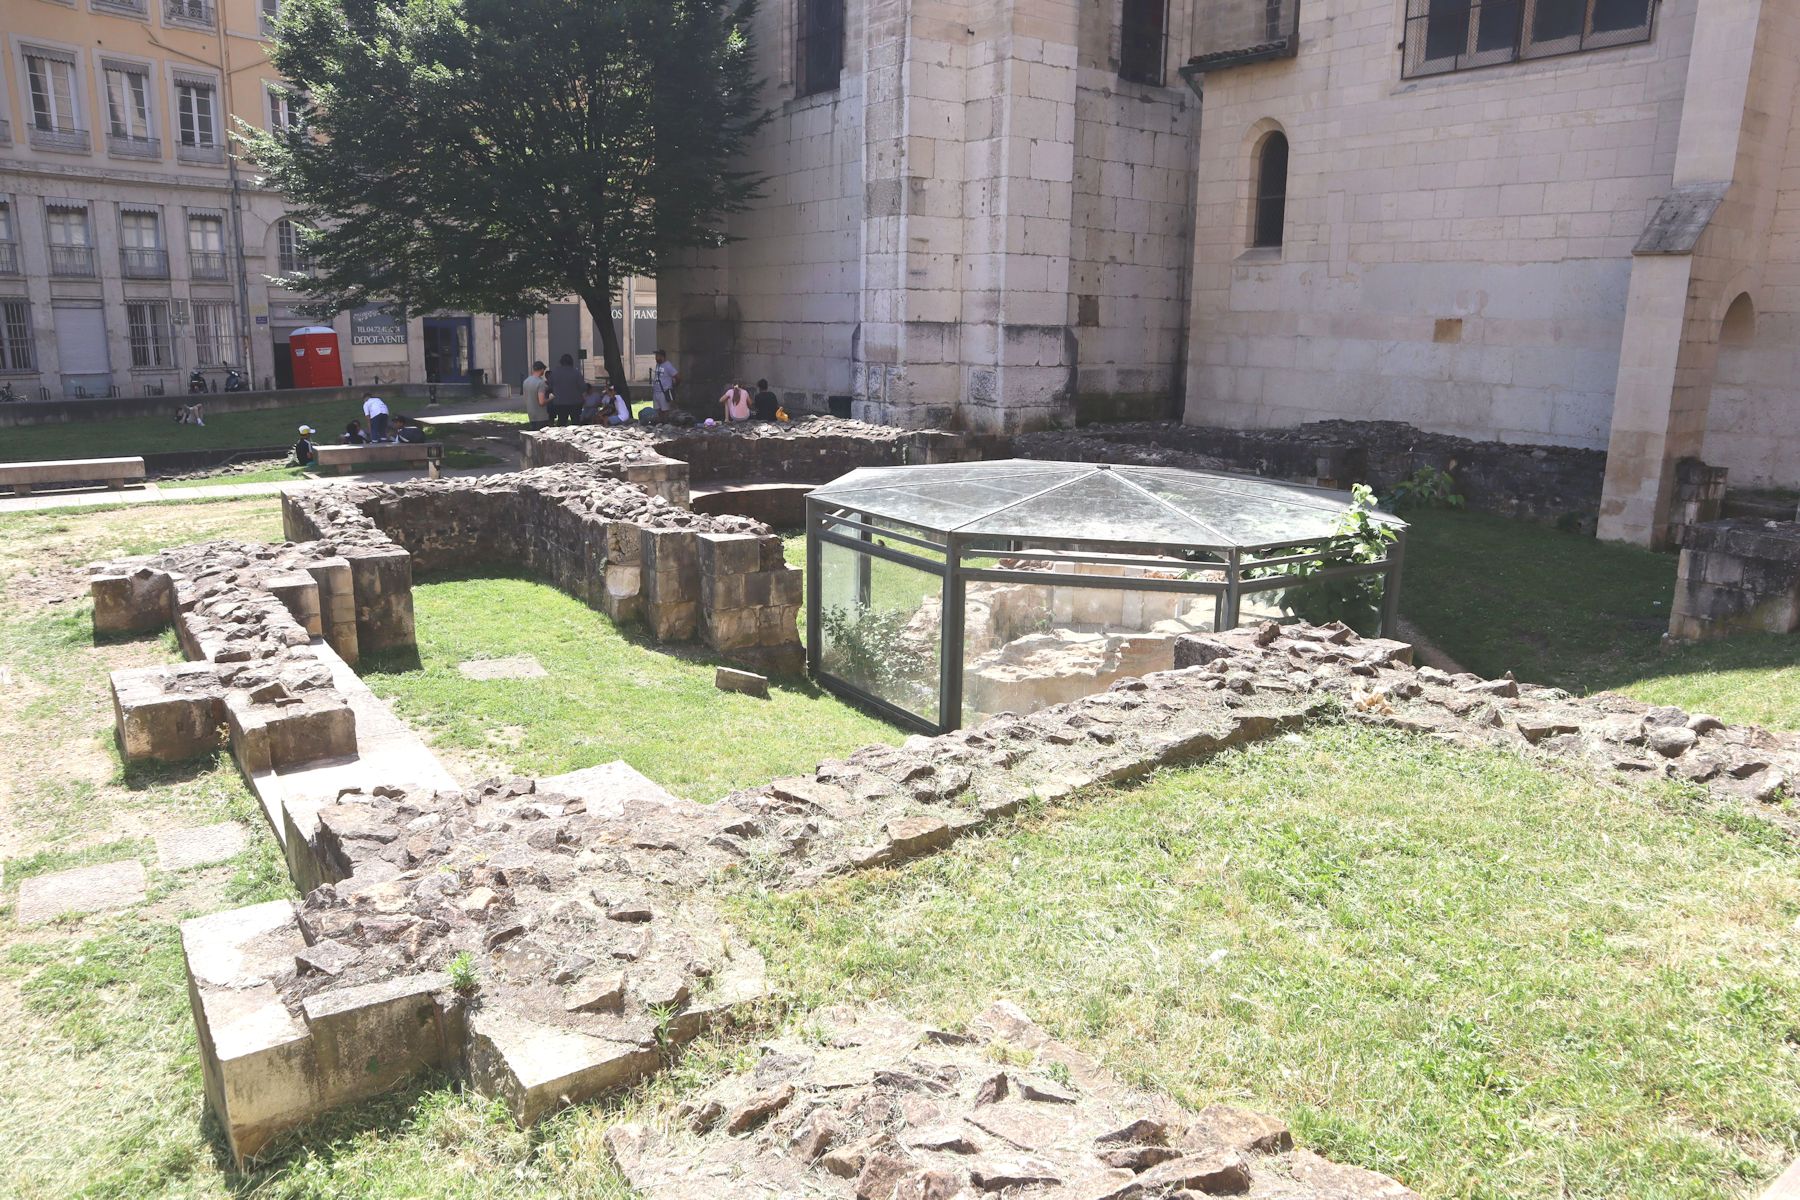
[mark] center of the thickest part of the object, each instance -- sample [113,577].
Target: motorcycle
[196,383]
[234,382]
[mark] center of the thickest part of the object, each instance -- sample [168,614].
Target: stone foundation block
[140,601]
[384,604]
[537,1069]
[167,714]
[369,1039]
[274,737]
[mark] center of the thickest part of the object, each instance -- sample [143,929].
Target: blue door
[449,349]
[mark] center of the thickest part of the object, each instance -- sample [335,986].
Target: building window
[819,46]
[141,252]
[1143,41]
[212,333]
[9,240]
[55,119]
[284,112]
[270,13]
[206,246]
[128,127]
[15,335]
[290,238]
[194,105]
[1457,35]
[148,322]
[71,242]
[190,12]
[1269,222]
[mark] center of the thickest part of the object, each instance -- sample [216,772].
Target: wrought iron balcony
[77,261]
[124,145]
[137,262]
[76,140]
[9,259]
[214,154]
[206,264]
[191,12]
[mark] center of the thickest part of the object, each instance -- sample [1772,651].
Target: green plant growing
[1426,487]
[870,648]
[1356,599]
[462,974]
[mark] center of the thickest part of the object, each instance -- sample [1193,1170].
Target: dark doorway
[284,365]
[565,333]
[515,352]
[449,349]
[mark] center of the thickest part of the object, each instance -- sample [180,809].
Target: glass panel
[1099,507]
[1028,645]
[881,626]
[1355,600]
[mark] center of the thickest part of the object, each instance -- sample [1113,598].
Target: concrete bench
[115,473]
[382,456]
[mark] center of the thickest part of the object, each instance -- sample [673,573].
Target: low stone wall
[1541,483]
[631,555]
[806,450]
[1737,576]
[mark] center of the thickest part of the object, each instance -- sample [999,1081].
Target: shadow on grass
[321,1142]
[142,776]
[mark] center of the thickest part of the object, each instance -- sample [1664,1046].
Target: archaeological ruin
[551,940]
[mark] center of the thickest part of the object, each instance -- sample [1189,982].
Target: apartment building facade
[136,248]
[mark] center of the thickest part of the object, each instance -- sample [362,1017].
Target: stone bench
[382,456]
[115,473]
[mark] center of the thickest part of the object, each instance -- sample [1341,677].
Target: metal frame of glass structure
[1207,534]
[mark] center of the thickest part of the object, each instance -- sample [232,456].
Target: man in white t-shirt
[376,410]
[662,383]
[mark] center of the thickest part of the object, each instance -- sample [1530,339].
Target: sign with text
[373,325]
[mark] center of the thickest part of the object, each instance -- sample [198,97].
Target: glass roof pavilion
[935,593]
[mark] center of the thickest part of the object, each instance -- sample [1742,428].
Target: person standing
[566,386]
[736,402]
[662,385]
[375,409]
[537,402]
[767,403]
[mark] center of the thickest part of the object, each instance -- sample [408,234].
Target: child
[353,435]
[304,453]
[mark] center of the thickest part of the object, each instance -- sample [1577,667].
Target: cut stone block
[747,683]
[524,666]
[536,1068]
[606,789]
[167,714]
[110,886]
[137,601]
[266,737]
[184,849]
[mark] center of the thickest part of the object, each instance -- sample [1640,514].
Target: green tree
[496,155]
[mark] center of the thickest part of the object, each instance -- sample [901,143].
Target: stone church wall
[1457,248]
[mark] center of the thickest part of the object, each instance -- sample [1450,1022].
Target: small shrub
[1355,600]
[462,974]
[871,649]
[1426,487]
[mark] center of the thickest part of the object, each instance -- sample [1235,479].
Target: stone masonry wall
[1737,576]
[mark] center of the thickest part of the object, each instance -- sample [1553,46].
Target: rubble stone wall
[1737,576]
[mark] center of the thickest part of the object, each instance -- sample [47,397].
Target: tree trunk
[599,305]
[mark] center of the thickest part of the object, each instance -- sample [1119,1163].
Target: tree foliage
[496,155]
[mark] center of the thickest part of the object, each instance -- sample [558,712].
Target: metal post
[1233,570]
[813,588]
[1390,590]
[950,666]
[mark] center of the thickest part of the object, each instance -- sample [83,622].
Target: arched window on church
[1269,219]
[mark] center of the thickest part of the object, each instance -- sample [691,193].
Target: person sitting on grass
[617,411]
[590,405]
[767,403]
[191,414]
[410,432]
[353,435]
[304,453]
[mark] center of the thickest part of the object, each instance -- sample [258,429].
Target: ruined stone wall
[1737,576]
[1544,483]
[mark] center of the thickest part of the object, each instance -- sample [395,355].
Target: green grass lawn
[1563,609]
[157,435]
[1492,982]
[610,694]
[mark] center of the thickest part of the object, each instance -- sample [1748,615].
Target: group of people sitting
[383,427]
[560,396]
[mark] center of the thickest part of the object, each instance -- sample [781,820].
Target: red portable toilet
[317,363]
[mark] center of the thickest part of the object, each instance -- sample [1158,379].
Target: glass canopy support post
[814,518]
[954,614]
[1390,588]
[1234,566]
